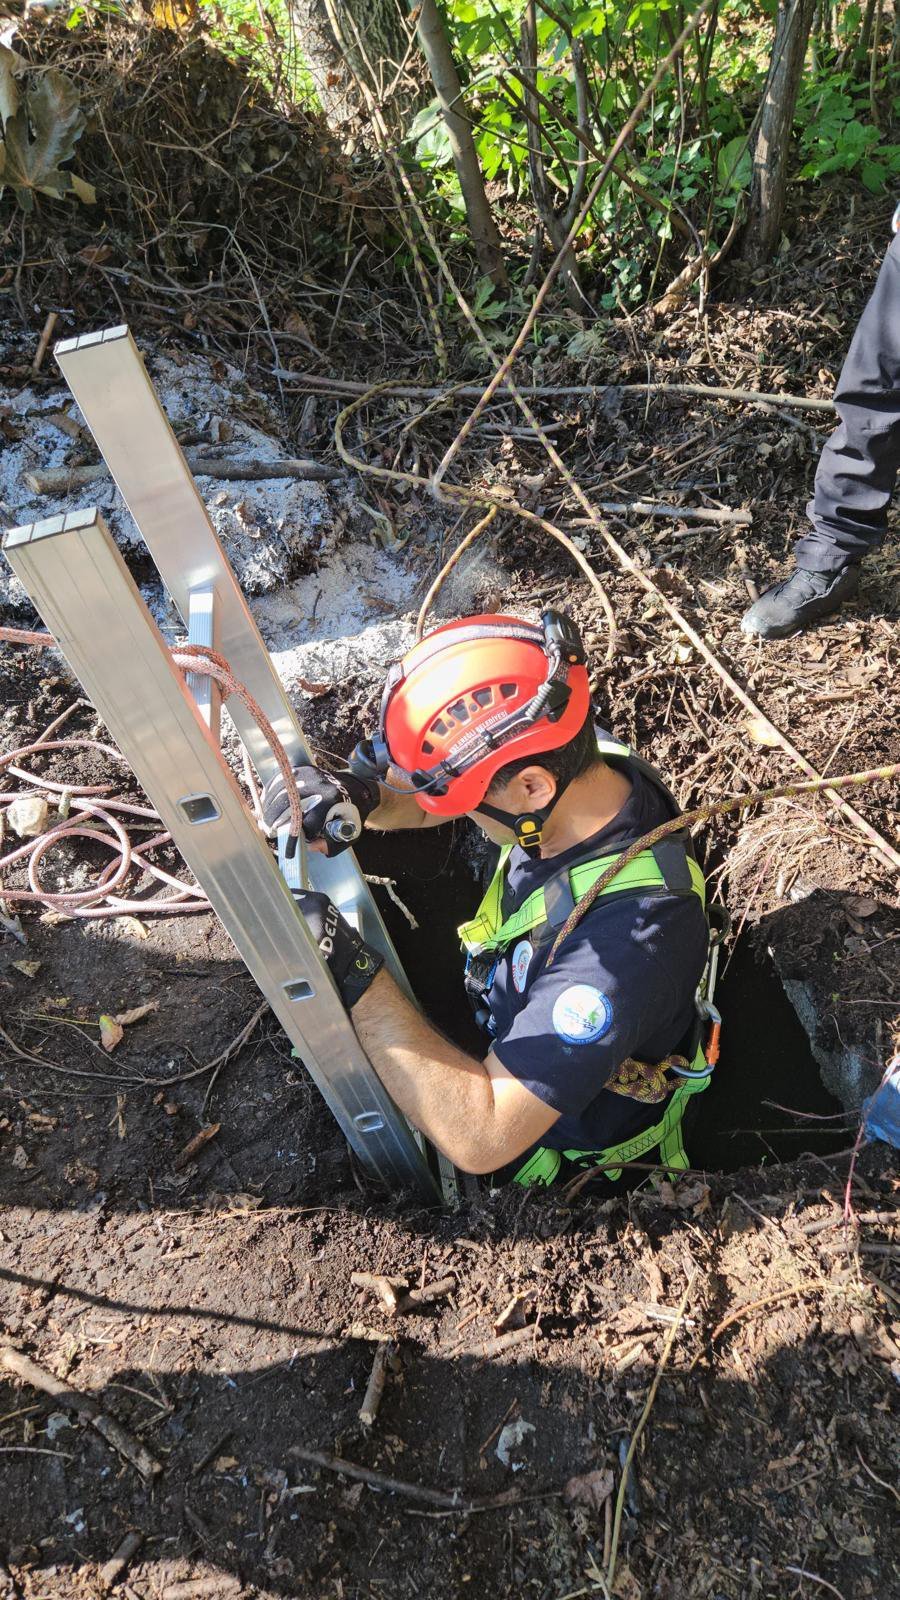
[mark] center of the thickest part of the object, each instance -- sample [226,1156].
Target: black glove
[334,809]
[352,963]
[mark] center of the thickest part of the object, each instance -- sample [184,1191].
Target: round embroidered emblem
[521,961]
[582,1014]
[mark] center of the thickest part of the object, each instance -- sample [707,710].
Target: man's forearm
[446,1094]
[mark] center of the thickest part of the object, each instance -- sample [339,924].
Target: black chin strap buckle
[529,830]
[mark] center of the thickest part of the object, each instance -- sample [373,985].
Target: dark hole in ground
[766,1054]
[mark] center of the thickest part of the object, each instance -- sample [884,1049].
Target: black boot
[802,598]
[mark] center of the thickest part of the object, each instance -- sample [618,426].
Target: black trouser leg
[858,466]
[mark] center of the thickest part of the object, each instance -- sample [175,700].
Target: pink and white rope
[87,806]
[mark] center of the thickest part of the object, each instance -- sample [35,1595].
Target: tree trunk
[376,44]
[771,150]
[435,45]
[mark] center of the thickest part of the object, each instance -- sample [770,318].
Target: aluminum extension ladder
[168,732]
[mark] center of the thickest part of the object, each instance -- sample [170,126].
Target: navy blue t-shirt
[622,984]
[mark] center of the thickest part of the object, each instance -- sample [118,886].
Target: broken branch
[455,1501]
[112,1570]
[384,1359]
[427,1296]
[60,480]
[84,1405]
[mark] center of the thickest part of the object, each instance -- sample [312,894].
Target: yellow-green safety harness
[487,934]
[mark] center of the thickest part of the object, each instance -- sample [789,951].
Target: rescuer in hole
[591,1056]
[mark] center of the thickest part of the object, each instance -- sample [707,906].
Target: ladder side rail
[107,376]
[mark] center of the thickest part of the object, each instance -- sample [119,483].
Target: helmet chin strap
[528,826]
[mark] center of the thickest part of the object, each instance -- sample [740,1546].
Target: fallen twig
[195,1145]
[60,480]
[456,1501]
[448,566]
[505,1341]
[46,335]
[384,1360]
[890,1487]
[757,1305]
[469,391]
[654,508]
[813,1577]
[390,884]
[34,1450]
[84,1405]
[426,1296]
[222,1059]
[213,1450]
[642,1423]
[197,1588]
[112,1570]
[384,1288]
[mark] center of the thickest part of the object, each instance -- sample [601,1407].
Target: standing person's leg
[856,474]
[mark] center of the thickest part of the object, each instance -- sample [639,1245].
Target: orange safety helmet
[473,696]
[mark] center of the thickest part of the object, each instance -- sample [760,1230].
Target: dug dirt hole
[766,1096]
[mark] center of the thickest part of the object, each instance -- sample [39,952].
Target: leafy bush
[836,137]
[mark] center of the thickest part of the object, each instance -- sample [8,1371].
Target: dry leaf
[136,1014]
[224,1463]
[12,65]
[94,255]
[19,1158]
[38,137]
[626,1586]
[590,1490]
[133,926]
[859,905]
[761,732]
[29,969]
[111,1032]
[685,1196]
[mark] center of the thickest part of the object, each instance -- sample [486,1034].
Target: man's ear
[540,786]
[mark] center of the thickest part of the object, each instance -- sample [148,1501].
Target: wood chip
[195,1145]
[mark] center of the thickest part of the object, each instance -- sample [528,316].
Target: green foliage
[688,165]
[688,154]
[836,135]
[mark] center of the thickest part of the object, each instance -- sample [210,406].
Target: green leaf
[734,164]
[30,162]
[873,175]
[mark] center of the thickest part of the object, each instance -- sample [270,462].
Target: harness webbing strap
[673,870]
[487,932]
[542,1166]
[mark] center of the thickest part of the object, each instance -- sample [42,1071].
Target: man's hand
[334,809]
[352,963]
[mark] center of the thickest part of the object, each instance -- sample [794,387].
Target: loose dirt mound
[217,207]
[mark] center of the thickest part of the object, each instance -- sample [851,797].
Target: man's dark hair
[565,764]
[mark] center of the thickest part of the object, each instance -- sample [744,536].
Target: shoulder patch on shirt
[582,1014]
[520,962]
